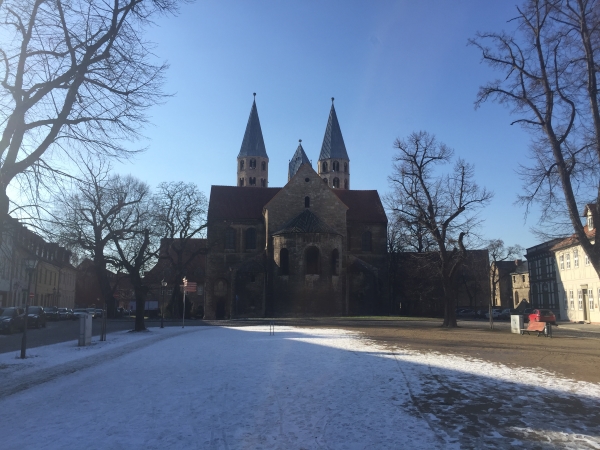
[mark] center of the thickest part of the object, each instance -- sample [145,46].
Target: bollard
[272,328]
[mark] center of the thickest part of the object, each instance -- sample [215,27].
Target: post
[183,314]
[163,283]
[30,266]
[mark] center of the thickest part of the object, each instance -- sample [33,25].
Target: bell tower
[252,161]
[334,164]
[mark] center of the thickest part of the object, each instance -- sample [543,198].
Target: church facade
[311,247]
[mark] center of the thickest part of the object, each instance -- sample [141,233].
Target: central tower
[334,164]
[252,161]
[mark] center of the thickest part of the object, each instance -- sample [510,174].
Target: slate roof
[237,203]
[253,143]
[333,142]
[297,160]
[305,222]
[363,206]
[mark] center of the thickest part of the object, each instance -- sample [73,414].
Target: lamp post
[184,289]
[30,265]
[163,283]
[54,296]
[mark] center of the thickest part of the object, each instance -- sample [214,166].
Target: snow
[230,388]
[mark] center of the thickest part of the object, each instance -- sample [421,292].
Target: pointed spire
[297,160]
[253,143]
[333,142]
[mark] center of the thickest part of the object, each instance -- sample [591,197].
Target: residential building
[521,293]
[542,276]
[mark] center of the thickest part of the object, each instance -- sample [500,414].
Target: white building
[578,282]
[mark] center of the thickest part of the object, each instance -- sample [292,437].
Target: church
[313,247]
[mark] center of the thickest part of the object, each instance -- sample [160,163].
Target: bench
[540,327]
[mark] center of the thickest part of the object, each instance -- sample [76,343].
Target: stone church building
[311,247]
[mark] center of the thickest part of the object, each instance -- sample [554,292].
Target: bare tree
[75,77]
[180,215]
[445,205]
[498,252]
[549,80]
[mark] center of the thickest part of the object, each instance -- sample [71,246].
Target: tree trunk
[449,303]
[4,207]
[104,284]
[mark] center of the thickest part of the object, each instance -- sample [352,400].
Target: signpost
[187,287]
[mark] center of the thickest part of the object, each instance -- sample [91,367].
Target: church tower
[334,164]
[252,161]
[297,160]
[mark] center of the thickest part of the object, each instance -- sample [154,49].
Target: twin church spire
[253,162]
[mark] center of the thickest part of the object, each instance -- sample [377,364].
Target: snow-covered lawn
[230,388]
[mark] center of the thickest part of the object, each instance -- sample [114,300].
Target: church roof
[333,142]
[253,143]
[363,206]
[236,203]
[305,222]
[297,160]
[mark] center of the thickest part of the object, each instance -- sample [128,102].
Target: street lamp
[163,283]
[185,282]
[30,265]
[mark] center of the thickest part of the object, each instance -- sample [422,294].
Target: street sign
[190,287]
[31,295]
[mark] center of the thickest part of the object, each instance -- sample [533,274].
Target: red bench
[540,327]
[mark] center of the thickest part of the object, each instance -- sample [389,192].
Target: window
[252,164]
[566,300]
[335,166]
[579,299]
[263,182]
[230,239]
[345,184]
[514,279]
[252,181]
[307,202]
[335,257]
[324,167]
[366,241]
[523,278]
[568,260]
[263,165]
[336,183]
[587,260]
[571,301]
[561,260]
[591,298]
[345,167]
[312,261]
[575,258]
[241,181]
[250,238]
[284,261]
[242,164]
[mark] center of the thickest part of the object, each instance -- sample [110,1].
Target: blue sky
[393,67]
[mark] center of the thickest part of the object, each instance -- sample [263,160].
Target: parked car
[465,313]
[526,313]
[51,312]
[507,312]
[99,313]
[542,315]
[79,312]
[496,312]
[12,319]
[92,311]
[36,317]
[65,314]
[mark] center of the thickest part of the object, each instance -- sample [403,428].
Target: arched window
[263,182]
[252,181]
[253,164]
[312,261]
[284,261]
[241,181]
[325,181]
[345,167]
[336,182]
[242,164]
[324,167]
[335,257]
[230,239]
[336,166]
[345,184]
[307,202]
[516,298]
[263,165]
[366,241]
[251,239]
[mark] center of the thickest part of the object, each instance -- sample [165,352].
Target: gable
[238,203]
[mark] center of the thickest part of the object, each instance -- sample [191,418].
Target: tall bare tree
[497,252]
[74,77]
[444,205]
[180,216]
[549,80]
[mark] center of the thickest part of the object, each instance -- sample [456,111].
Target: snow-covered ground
[239,388]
